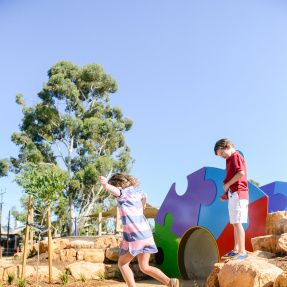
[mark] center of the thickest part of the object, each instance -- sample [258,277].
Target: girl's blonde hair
[222,144]
[123,180]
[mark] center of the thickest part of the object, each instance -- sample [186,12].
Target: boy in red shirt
[236,191]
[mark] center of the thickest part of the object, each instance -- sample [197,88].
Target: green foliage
[22,282]
[64,276]
[83,277]
[4,167]
[74,123]
[11,277]
[254,182]
[43,183]
[101,276]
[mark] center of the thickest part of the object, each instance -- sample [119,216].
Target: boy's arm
[239,174]
[110,188]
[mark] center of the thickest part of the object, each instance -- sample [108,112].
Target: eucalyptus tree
[73,126]
[4,167]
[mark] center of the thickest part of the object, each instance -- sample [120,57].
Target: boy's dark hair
[222,144]
[123,180]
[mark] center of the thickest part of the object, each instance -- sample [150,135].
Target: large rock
[68,255]
[111,270]
[88,269]
[80,244]
[271,243]
[43,273]
[105,242]
[212,280]
[113,253]
[281,280]
[9,270]
[266,243]
[120,242]
[91,255]
[262,254]
[248,273]
[275,222]
[58,243]
[1,273]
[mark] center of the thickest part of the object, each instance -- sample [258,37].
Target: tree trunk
[72,216]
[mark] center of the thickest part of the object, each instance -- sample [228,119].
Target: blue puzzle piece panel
[214,217]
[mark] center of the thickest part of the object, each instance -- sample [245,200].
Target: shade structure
[149,212]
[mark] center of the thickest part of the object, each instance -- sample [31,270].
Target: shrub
[11,277]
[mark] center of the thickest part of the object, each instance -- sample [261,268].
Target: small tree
[44,183]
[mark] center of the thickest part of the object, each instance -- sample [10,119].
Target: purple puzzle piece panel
[185,208]
[277,193]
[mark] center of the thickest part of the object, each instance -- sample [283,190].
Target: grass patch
[64,276]
[22,282]
[11,277]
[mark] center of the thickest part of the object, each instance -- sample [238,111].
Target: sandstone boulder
[266,243]
[91,255]
[43,273]
[113,253]
[56,244]
[281,280]
[9,270]
[212,280]
[68,255]
[248,273]
[80,244]
[275,222]
[88,269]
[120,242]
[262,254]
[105,242]
[111,270]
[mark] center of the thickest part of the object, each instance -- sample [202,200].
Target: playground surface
[112,283]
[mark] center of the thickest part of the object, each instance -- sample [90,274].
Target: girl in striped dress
[137,236]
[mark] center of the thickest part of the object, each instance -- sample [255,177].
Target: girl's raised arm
[110,188]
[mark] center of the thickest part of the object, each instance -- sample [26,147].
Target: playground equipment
[192,231]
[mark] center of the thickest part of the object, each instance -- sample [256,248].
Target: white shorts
[238,208]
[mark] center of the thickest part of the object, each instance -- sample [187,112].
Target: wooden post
[31,231]
[49,244]
[26,239]
[118,222]
[100,224]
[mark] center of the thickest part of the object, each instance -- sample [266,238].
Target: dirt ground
[43,261]
[109,283]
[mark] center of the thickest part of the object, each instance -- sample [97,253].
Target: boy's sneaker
[229,255]
[174,282]
[239,257]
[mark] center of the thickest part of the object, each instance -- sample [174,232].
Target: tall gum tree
[74,127]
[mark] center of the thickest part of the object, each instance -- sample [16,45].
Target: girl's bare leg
[143,259]
[123,263]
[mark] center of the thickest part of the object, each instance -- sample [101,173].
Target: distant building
[15,237]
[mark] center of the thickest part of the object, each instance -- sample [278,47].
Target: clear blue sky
[189,73]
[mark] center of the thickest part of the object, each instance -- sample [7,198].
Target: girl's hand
[103,181]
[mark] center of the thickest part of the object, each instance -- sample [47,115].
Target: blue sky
[189,73]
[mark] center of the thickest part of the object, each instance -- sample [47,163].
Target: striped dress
[137,235]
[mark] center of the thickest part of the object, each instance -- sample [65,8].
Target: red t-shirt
[235,163]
